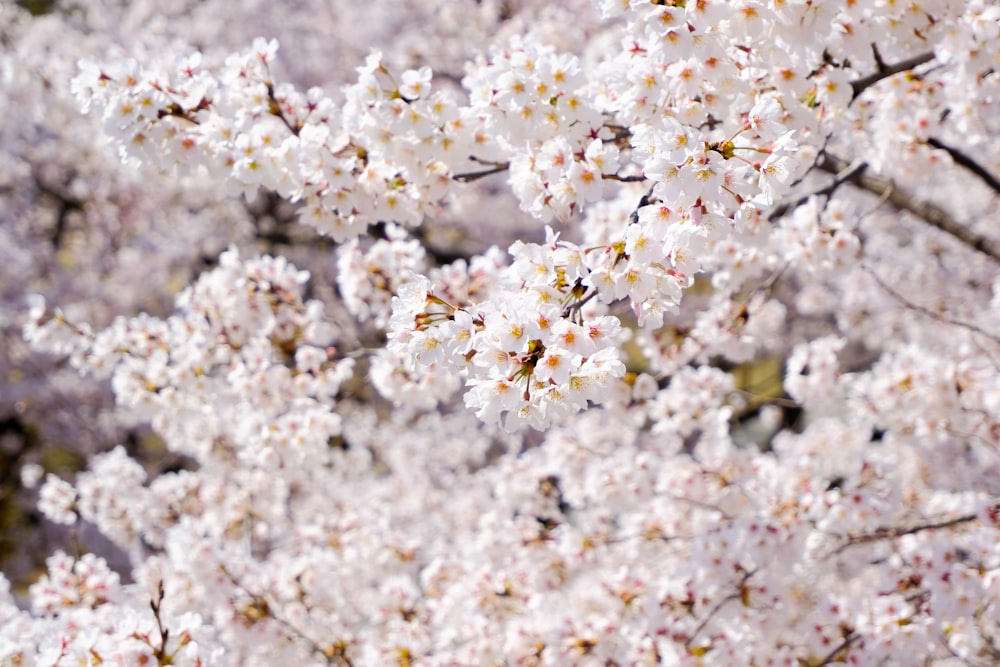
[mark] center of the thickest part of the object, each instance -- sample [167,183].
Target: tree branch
[906,201]
[885,71]
[624,179]
[274,107]
[835,654]
[718,607]
[962,159]
[470,176]
[65,204]
[894,532]
[571,308]
[156,605]
[645,200]
[335,651]
[783,207]
[927,311]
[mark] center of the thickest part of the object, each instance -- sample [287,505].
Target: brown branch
[65,204]
[858,86]
[333,652]
[571,308]
[834,655]
[174,110]
[156,605]
[645,200]
[783,207]
[878,58]
[274,108]
[718,607]
[623,179]
[964,160]
[891,533]
[470,176]
[906,201]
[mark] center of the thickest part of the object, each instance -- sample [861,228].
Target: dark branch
[274,107]
[906,201]
[156,605]
[570,309]
[894,532]
[878,58]
[645,200]
[718,607]
[65,204]
[624,179]
[470,176]
[885,71]
[962,159]
[174,110]
[835,654]
[783,207]
[330,653]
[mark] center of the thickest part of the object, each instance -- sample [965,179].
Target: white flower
[416,83]
[57,500]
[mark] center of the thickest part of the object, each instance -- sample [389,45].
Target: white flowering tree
[514,333]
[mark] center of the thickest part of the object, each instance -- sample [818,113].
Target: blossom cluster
[529,358]
[383,155]
[83,593]
[635,333]
[244,332]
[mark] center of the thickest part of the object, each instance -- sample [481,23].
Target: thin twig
[846,174]
[645,200]
[274,107]
[578,304]
[964,160]
[926,311]
[892,533]
[156,605]
[718,607]
[262,600]
[906,201]
[832,655]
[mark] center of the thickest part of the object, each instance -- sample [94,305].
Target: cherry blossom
[611,333]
